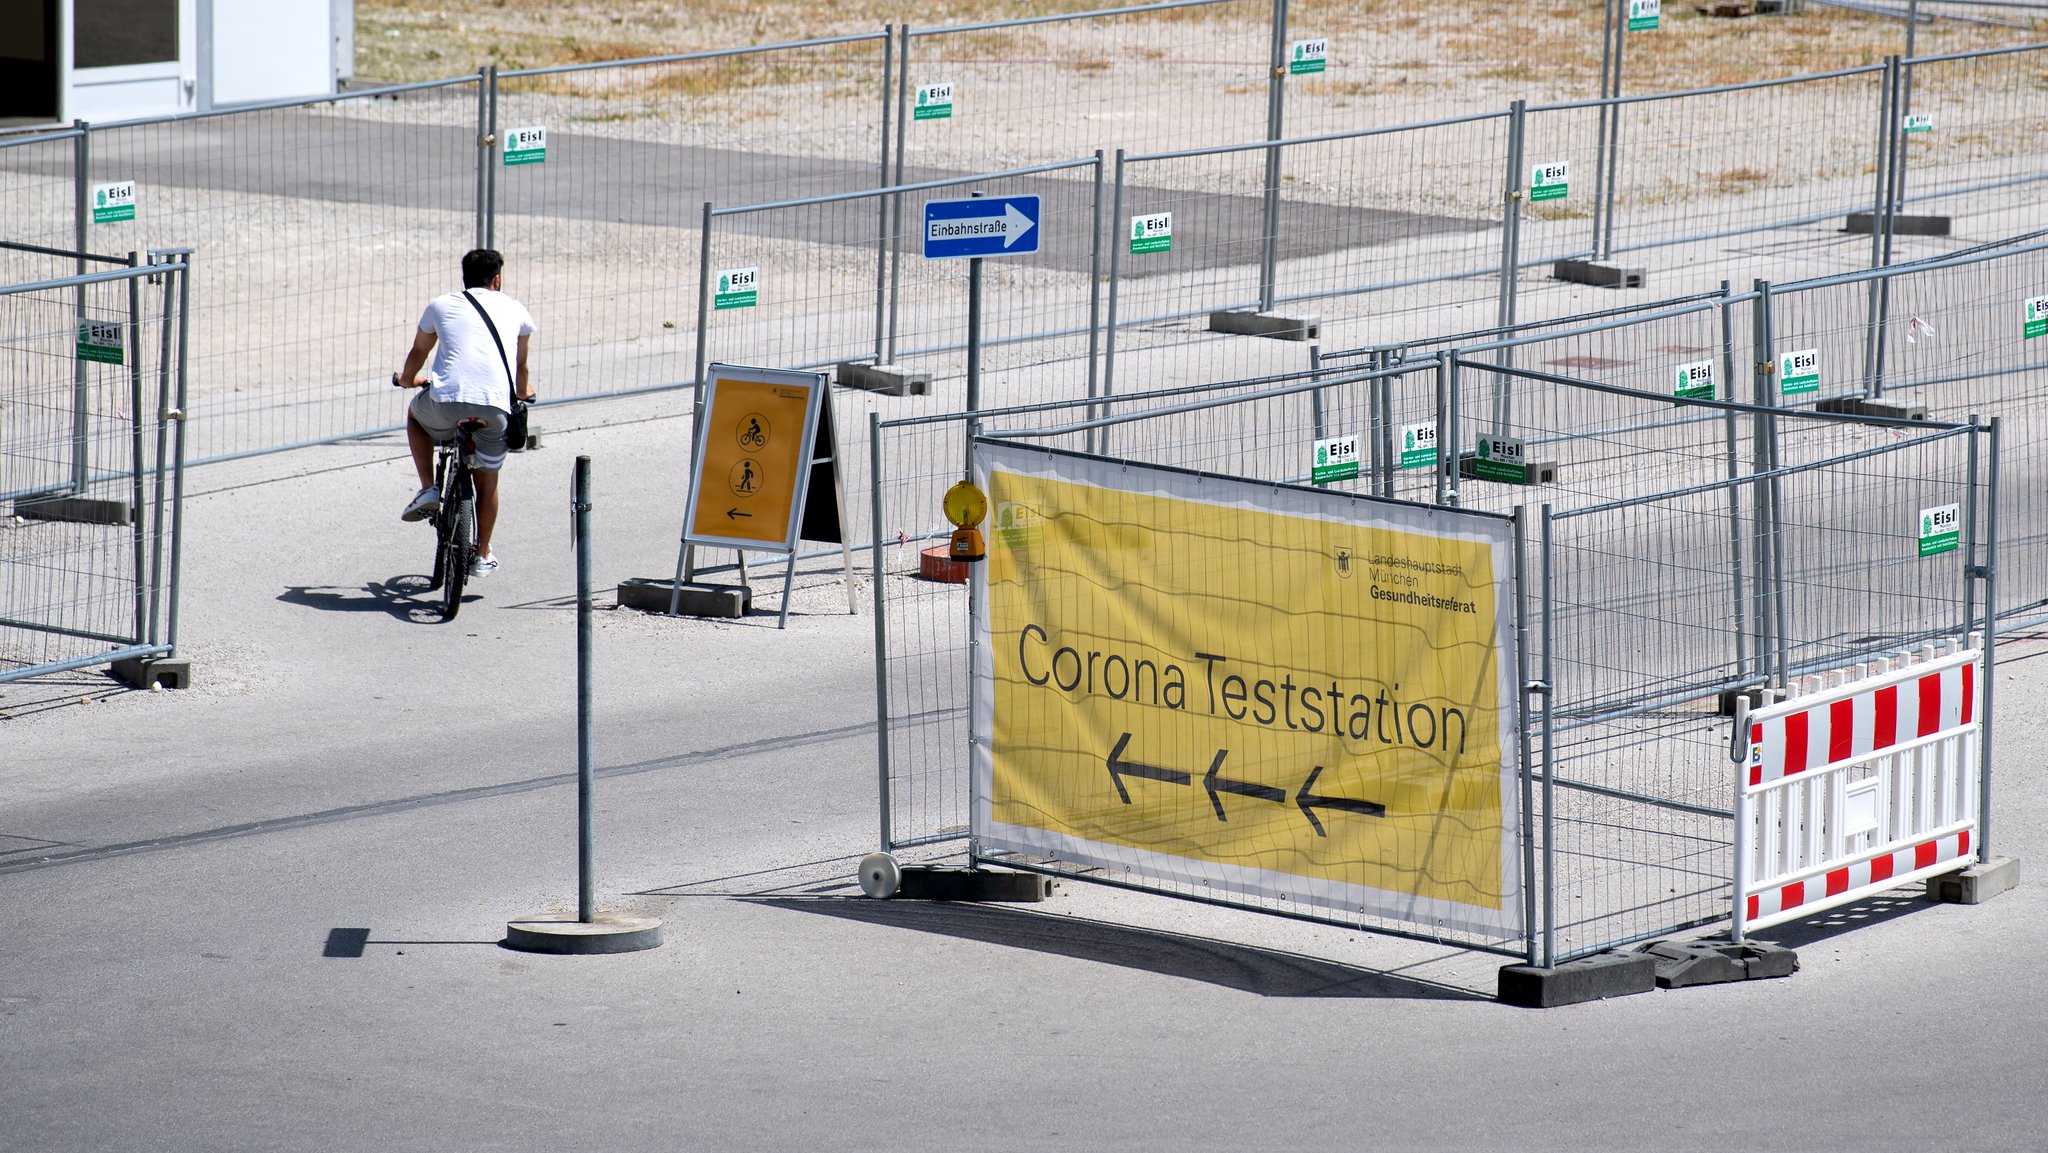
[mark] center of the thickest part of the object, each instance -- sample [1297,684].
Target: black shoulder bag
[515,420]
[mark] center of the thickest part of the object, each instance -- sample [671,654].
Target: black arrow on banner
[1120,768]
[1215,784]
[1310,802]
[734,514]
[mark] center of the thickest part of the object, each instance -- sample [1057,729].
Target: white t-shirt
[466,368]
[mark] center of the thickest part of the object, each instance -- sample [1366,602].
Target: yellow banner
[1273,691]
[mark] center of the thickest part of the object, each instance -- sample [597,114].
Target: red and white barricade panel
[1853,789]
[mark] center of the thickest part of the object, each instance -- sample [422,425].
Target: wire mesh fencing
[817,282]
[324,230]
[1350,219]
[91,377]
[1591,412]
[1771,553]
[1655,614]
[1018,93]
[40,185]
[921,634]
[598,172]
[1950,337]
[1967,129]
[323,225]
[1722,162]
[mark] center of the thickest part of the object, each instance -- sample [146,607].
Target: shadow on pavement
[1248,968]
[350,943]
[78,687]
[396,597]
[1872,910]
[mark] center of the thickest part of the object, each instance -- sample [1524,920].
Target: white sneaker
[483,566]
[428,501]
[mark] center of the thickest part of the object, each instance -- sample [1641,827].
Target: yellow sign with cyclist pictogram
[753,452]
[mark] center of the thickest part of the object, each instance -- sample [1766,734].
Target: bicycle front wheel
[454,559]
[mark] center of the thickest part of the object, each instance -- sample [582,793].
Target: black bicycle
[455,521]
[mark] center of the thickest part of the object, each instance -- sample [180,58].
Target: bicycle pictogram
[752,432]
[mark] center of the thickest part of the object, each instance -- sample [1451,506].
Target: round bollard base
[563,933]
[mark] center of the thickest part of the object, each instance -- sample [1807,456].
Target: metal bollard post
[579,532]
[589,931]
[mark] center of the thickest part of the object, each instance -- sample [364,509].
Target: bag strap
[511,382]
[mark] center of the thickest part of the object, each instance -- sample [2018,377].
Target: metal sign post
[971,229]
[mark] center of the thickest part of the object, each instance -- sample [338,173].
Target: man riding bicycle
[471,379]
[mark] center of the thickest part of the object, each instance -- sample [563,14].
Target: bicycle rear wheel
[461,544]
[441,521]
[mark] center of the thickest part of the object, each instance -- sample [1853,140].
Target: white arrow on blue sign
[983,226]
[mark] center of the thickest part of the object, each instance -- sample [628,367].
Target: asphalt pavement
[264,912]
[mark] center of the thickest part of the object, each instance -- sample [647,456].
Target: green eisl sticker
[1336,459]
[100,341]
[112,203]
[1918,122]
[1152,233]
[934,102]
[1642,15]
[1018,525]
[736,288]
[526,145]
[1695,381]
[1799,372]
[1307,57]
[1941,529]
[1502,459]
[1550,181]
[2037,317]
[1418,445]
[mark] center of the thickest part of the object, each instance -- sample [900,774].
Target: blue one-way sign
[984,226]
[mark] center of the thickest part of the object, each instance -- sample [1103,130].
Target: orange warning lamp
[965,506]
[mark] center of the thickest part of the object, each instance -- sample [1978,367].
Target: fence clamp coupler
[487,140]
[1536,687]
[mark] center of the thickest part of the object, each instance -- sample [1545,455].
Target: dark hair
[479,265]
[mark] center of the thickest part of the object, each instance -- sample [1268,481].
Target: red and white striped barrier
[1856,788]
[1820,735]
[1861,878]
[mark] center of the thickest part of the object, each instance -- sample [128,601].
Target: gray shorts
[440,417]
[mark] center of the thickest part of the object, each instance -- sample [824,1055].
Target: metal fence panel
[1947,336]
[1587,445]
[601,228]
[1644,630]
[89,368]
[1356,218]
[324,229]
[1695,166]
[820,287]
[1979,145]
[922,636]
[38,183]
[1027,92]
